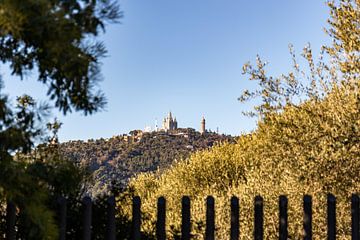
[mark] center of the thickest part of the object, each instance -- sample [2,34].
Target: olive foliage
[307,142]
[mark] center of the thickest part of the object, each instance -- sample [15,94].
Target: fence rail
[210,218]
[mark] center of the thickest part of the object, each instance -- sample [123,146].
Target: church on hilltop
[169,123]
[169,127]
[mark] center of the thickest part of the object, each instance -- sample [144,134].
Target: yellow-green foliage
[308,149]
[307,142]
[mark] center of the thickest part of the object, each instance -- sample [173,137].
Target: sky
[186,57]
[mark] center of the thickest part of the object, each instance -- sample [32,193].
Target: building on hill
[133,136]
[169,123]
[202,127]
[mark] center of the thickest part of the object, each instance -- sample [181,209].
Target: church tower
[175,124]
[202,128]
[169,123]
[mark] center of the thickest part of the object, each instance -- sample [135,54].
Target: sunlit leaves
[307,142]
[345,31]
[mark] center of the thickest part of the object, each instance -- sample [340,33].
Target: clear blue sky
[186,56]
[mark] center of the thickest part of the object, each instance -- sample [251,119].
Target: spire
[202,126]
[169,122]
[156,125]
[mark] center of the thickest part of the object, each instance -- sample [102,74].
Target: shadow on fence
[135,232]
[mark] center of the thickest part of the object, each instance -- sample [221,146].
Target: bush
[307,142]
[308,149]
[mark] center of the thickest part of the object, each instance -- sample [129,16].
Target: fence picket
[210,218]
[185,218]
[235,226]
[10,233]
[10,221]
[283,218]
[331,217]
[307,217]
[258,218]
[87,204]
[161,219]
[355,217]
[136,224]
[62,217]
[110,227]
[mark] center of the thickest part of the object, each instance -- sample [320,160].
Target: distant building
[133,136]
[147,129]
[156,126]
[202,127]
[169,123]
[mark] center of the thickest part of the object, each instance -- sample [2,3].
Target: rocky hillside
[113,161]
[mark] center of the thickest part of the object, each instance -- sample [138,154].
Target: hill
[313,148]
[114,161]
[307,142]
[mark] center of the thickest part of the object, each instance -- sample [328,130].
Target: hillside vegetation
[113,161]
[307,142]
[311,149]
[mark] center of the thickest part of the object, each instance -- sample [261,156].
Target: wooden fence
[235,228]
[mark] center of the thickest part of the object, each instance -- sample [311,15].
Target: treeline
[112,162]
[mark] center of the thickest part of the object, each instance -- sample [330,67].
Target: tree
[338,65]
[306,142]
[345,32]
[58,39]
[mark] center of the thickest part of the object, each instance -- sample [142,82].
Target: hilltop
[112,162]
[312,148]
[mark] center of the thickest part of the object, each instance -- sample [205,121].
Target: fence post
[62,217]
[161,219]
[355,217]
[259,220]
[307,217]
[111,228]
[210,218]
[10,221]
[235,226]
[87,218]
[185,218]
[331,216]
[136,214]
[283,218]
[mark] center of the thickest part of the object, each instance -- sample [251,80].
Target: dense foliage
[113,161]
[307,142]
[58,40]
